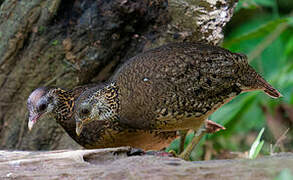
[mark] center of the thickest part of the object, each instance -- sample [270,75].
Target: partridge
[172,87]
[59,103]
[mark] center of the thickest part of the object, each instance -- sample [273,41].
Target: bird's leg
[182,134]
[197,136]
[208,127]
[182,137]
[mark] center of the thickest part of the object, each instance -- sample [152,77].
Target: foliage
[256,146]
[284,175]
[261,29]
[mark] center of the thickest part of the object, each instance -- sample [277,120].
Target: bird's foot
[135,152]
[173,152]
[140,152]
[160,153]
[212,127]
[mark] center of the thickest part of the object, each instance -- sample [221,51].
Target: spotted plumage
[173,87]
[59,104]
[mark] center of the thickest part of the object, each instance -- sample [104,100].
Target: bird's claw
[213,127]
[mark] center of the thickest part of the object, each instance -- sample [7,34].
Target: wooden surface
[115,164]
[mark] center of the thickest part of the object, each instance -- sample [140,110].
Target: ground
[116,164]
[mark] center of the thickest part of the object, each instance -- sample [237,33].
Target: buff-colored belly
[183,123]
[139,139]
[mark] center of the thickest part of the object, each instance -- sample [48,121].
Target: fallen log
[114,163]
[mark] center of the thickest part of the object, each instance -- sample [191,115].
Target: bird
[174,87]
[58,103]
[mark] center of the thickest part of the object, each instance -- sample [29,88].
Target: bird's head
[40,102]
[96,104]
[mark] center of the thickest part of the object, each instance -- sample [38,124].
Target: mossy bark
[69,43]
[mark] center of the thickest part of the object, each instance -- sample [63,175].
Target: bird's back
[178,85]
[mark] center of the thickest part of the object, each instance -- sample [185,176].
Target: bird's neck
[64,101]
[105,102]
[110,94]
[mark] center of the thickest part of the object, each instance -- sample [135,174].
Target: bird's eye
[84,111]
[42,107]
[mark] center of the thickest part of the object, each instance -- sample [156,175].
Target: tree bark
[75,42]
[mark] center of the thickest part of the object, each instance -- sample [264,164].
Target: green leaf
[266,3]
[55,42]
[284,82]
[256,146]
[248,4]
[289,46]
[253,4]
[41,29]
[173,146]
[229,115]
[262,30]
[285,174]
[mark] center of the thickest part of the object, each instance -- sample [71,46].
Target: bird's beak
[32,120]
[79,127]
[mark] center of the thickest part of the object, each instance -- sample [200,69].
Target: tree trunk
[75,42]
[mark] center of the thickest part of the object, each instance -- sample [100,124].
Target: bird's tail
[254,81]
[267,88]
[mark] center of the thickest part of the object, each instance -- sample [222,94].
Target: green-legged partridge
[169,88]
[59,103]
